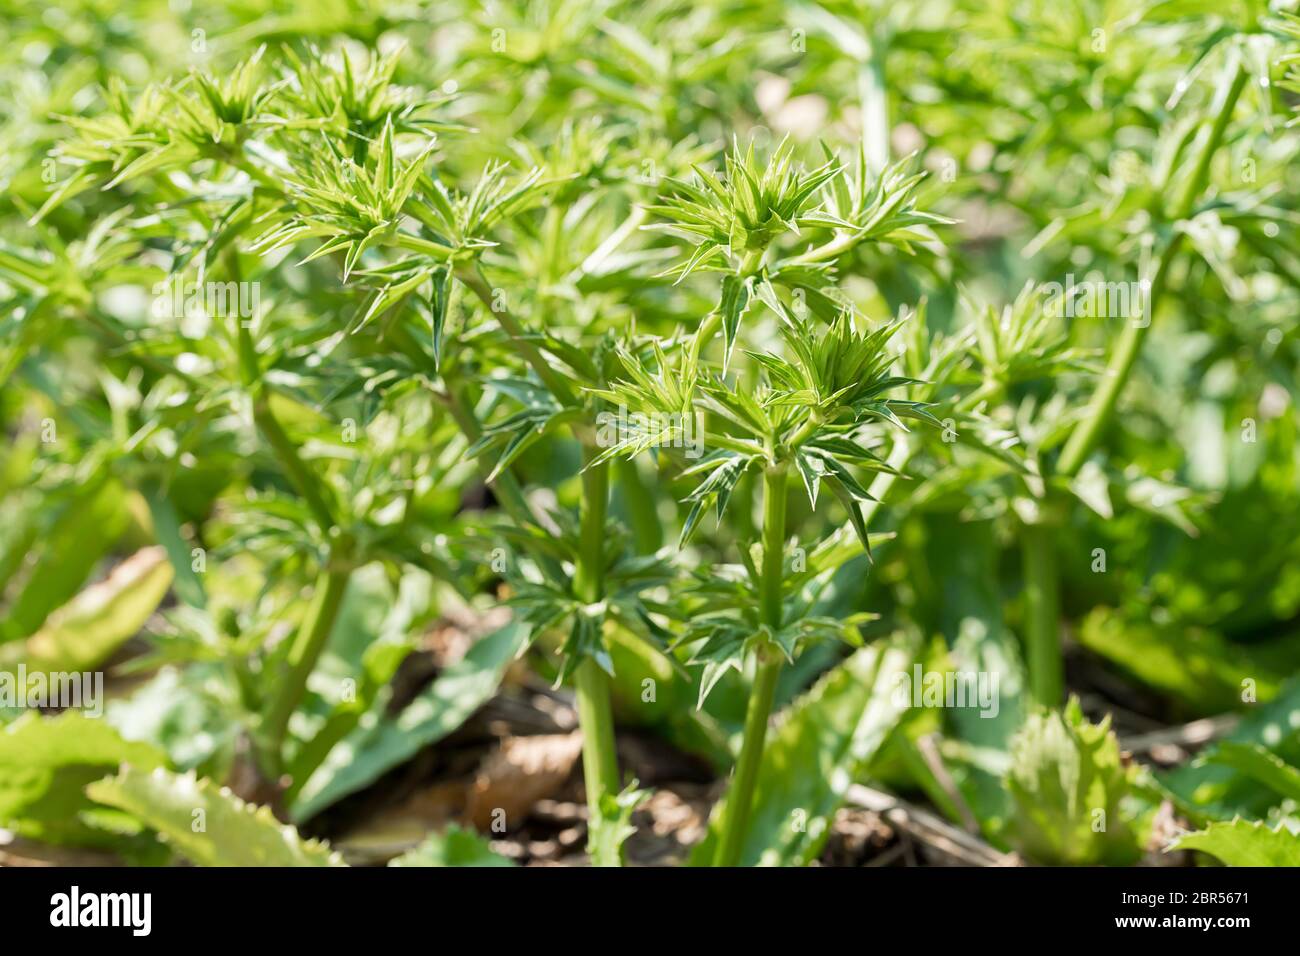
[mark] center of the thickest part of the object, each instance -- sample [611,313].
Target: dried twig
[929,750]
[957,846]
[1191,735]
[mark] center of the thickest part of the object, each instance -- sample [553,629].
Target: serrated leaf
[439,298]
[207,824]
[1066,782]
[45,764]
[1244,843]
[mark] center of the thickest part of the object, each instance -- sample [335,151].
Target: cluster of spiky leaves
[746,209]
[542,591]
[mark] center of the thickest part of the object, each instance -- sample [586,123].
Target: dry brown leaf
[520,772]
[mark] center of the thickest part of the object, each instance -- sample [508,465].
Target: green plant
[1067,782]
[715,363]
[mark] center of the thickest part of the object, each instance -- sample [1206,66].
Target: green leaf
[182,712]
[1216,791]
[439,298]
[825,743]
[586,640]
[86,631]
[1195,665]
[724,471]
[959,596]
[45,764]
[1066,782]
[672,714]
[1259,764]
[453,847]
[1244,843]
[80,537]
[368,642]
[167,531]
[737,293]
[207,824]
[376,748]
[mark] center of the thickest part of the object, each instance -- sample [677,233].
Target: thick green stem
[751,262]
[1042,641]
[332,581]
[592,686]
[303,654]
[1042,609]
[595,715]
[874,99]
[304,480]
[589,575]
[643,516]
[832,249]
[773,543]
[596,718]
[740,797]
